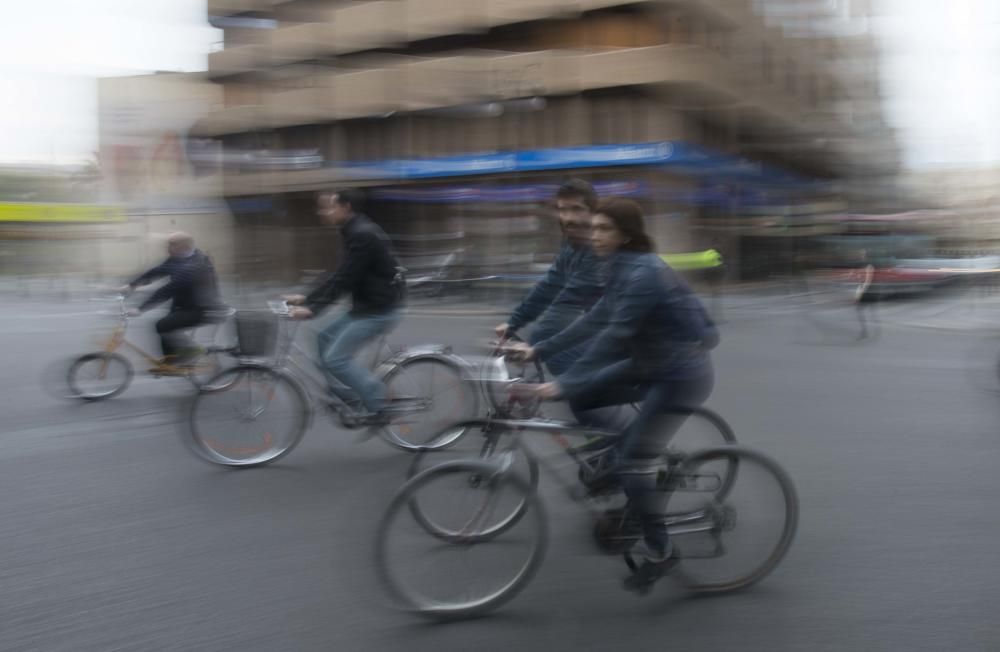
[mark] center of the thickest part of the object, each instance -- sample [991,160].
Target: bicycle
[706,502]
[498,377]
[238,426]
[107,373]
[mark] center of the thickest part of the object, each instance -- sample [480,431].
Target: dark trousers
[171,330]
[867,312]
[646,436]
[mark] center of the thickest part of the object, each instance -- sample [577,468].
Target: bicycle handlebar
[279,308]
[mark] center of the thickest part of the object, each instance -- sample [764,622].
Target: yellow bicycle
[107,373]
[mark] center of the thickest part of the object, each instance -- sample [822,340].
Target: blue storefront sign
[677,157]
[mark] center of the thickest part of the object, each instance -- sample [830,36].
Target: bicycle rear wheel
[256,416]
[98,376]
[206,373]
[733,542]
[469,571]
[426,395]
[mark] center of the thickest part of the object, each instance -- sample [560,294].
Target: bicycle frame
[118,339]
[295,361]
[665,464]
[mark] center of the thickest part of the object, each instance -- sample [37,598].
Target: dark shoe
[382,418]
[601,483]
[641,581]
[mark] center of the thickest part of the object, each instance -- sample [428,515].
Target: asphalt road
[113,537]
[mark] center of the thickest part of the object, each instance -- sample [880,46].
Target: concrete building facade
[707,111]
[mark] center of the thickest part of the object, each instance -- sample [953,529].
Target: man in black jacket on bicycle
[370,273]
[192,289]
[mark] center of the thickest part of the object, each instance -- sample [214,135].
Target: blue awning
[678,157]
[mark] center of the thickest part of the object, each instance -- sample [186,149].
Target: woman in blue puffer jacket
[653,320]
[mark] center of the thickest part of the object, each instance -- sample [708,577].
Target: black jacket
[192,285]
[368,272]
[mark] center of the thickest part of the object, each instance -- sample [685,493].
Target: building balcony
[432,18]
[232,7]
[231,120]
[343,30]
[549,72]
[235,60]
[689,70]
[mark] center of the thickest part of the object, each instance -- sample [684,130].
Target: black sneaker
[600,480]
[641,581]
[382,418]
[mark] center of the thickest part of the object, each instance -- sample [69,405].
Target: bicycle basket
[257,333]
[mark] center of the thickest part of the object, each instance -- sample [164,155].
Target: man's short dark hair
[352,196]
[578,189]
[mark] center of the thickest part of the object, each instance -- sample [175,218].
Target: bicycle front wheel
[254,415]
[470,571]
[517,460]
[733,542]
[99,376]
[426,395]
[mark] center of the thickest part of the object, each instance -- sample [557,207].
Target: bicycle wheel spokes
[466,572]
[254,416]
[97,376]
[517,461]
[699,431]
[425,396]
[730,544]
[206,374]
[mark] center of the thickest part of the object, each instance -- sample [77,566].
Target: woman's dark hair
[578,189]
[352,196]
[627,217]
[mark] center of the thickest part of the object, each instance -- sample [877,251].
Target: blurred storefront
[712,111]
[164,179]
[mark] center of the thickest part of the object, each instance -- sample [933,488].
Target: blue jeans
[340,342]
[648,434]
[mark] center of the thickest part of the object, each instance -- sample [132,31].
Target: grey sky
[943,93]
[51,51]
[940,75]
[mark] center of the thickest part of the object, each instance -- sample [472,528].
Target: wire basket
[257,333]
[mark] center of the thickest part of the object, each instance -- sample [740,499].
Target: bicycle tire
[728,439]
[409,434]
[209,368]
[73,381]
[725,515]
[435,609]
[208,449]
[423,458]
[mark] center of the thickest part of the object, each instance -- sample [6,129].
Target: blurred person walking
[864,300]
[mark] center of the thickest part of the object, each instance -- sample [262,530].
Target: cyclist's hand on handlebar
[294,299]
[545,391]
[549,391]
[133,312]
[503,330]
[300,313]
[520,351]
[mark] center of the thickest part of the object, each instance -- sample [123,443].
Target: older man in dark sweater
[192,291]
